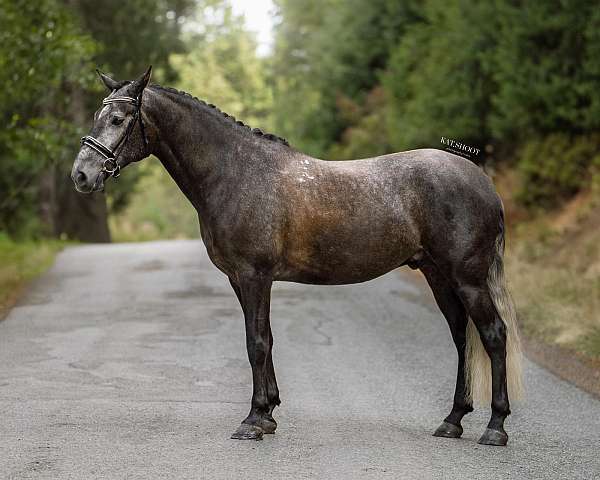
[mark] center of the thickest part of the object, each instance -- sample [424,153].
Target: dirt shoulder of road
[566,364]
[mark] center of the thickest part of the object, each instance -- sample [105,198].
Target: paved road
[128,362]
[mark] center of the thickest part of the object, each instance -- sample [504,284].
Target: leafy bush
[557,166]
[157,209]
[366,133]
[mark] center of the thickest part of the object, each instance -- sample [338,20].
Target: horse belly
[349,256]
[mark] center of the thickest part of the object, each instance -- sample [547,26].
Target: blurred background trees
[343,79]
[48,52]
[518,79]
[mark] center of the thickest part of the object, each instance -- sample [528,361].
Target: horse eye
[117,120]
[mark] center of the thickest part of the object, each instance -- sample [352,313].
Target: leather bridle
[111,166]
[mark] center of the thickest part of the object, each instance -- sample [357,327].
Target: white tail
[477,364]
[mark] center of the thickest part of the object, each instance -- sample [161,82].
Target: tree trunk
[78,216]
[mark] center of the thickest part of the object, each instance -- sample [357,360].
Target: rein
[111,166]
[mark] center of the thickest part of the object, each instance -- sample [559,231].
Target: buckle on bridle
[111,167]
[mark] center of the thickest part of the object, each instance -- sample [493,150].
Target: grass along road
[21,261]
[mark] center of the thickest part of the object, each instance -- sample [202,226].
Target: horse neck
[196,145]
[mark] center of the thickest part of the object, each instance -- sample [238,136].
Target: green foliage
[435,78]
[157,209]
[303,113]
[557,166]
[135,33]
[30,149]
[221,67]
[492,72]
[48,52]
[41,50]
[325,51]
[366,133]
[41,46]
[545,66]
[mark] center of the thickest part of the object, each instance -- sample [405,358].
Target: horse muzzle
[88,180]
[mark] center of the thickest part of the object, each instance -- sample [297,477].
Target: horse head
[117,137]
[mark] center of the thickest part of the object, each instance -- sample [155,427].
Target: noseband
[111,166]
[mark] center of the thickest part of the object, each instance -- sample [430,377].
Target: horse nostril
[80,177]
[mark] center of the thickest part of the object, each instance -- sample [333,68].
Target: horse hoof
[448,430]
[248,432]
[493,437]
[268,426]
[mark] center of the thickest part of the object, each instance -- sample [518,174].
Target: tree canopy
[48,52]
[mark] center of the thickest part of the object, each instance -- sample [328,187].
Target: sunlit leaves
[222,66]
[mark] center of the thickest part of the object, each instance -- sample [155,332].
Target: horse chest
[217,251]
[232,250]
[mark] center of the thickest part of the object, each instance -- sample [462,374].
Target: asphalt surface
[128,362]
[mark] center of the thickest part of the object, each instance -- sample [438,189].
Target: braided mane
[231,118]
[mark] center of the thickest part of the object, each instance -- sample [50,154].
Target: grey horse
[268,212]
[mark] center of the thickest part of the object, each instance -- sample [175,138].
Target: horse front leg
[254,293]
[272,389]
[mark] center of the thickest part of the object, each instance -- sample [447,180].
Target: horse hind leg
[492,341]
[456,316]
[492,334]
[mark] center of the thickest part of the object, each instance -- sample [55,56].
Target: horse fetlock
[275,402]
[457,414]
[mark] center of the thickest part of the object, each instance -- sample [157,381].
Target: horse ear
[108,82]
[137,87]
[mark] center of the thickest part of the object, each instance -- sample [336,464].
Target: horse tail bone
[477,364]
